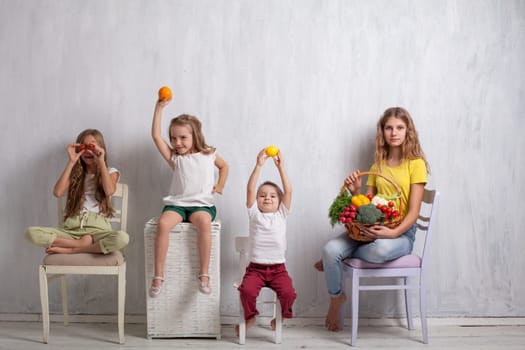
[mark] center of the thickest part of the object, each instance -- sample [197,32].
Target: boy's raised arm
[287,185]
[251,190]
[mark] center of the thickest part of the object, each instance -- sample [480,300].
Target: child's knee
[248,292]
[164,225]
[331,249]
[122,240]
[31,235]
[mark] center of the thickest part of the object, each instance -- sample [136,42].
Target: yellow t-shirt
[409,172]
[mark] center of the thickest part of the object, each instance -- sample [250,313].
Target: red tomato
[391,204]
[369,196]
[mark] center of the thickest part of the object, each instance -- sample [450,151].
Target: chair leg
[44,301]
[423,312]
[242,326]
[342,307]
[355,305]
[121,302]
[408,306]
[63,287]
[278,321]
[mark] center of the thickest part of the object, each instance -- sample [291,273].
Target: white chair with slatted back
[59,265]
[242,246]
[405,267]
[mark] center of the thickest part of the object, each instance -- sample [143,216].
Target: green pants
[94,224]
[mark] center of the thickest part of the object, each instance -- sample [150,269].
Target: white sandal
[154,291]
[204,287]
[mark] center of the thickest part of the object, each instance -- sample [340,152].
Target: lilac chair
[405,267]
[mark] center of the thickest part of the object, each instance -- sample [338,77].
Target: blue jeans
[379,251]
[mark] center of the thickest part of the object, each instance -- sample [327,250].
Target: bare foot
[59,250]
[319,265]
[74,246]
[333,315]
[273,324]
[249,324]
[62,242]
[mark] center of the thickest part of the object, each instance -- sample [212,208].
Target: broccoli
[368,214]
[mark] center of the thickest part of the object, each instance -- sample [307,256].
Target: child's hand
[72,152]
[278,159]
[353,182]
[217,189]
[161,103]
[261,157]
[98,152]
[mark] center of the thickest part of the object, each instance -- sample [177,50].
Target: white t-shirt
[90,202]
[267,235]
[193,180]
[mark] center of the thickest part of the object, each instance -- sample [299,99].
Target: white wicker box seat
[181,311]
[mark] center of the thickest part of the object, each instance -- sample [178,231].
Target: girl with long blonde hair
[398,156]
[89,184]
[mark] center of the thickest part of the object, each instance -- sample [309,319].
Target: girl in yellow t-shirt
[398,155]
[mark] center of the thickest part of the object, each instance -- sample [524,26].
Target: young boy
[268,207]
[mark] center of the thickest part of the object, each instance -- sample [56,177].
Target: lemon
[271,151]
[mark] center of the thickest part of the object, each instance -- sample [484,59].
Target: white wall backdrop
[311,77]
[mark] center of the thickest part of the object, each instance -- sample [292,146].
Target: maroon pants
[272,276]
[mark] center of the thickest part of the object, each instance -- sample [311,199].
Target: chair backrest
[426,220]
[242,244]
[121,209]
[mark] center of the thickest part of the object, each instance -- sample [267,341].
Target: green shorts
[185,212]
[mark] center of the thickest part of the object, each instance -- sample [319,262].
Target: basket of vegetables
[360,211]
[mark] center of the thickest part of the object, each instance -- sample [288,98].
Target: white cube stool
[180,310]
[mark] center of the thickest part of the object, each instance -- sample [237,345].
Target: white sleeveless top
[90,202]
[193,180]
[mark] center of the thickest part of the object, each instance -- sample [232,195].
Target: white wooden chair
[405,267]
[242,246]
[59,265]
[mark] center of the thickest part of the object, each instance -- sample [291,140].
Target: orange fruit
[271,151]
[165,93]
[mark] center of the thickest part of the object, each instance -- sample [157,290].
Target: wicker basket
[354,228]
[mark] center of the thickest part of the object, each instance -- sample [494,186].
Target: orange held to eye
[165,93]
[271,151]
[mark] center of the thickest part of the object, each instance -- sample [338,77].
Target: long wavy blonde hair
[410,149]
[75,194]
[199,144]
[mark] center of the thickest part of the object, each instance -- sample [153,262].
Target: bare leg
[333,315]
[249,323]
[202,220]
[167,221]
[319,265]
